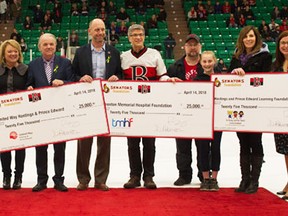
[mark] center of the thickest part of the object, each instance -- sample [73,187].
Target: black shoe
[253,188]
[6,183]
[285,198]
[213,185]
[17,183]
[281,193]
[244,184]
[39,187]
[205,185]
[149,183]
[133,182]
[61,187]
[181,181]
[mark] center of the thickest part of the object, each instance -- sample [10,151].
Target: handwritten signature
[64,132]
[277,124]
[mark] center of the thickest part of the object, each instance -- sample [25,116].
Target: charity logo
[13,135]
[234,114]
[256,81]
[34,97]
[143,89]
[126,122]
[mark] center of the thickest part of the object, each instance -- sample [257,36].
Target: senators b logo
[139,73]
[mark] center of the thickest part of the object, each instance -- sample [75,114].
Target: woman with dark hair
[281,65]
[28,24]
[251,55]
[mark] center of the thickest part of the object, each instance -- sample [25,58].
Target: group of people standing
[100,60]
[94,60]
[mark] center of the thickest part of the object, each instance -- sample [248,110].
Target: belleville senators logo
[13,135]
[144,89]
[34,97]
[106,89]
[256,81]
[217,82]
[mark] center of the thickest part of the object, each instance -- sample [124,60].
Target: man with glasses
[187,68]
[144,64]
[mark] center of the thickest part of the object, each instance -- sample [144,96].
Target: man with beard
[187,68]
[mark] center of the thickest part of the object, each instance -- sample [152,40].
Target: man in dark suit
[95,60]
[49,70]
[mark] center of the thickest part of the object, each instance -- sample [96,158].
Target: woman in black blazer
[13,77]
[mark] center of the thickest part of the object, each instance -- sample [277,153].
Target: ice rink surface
[273,176]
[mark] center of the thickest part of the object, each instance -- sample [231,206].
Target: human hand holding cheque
[53,114]
[160,109]
[251,103]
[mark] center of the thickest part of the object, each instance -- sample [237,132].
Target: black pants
[250,144]
[42,163]
[210,155]
[184,158]
[6,159]
[135,157]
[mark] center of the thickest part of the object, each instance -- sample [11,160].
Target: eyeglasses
[282,43]
[136,35]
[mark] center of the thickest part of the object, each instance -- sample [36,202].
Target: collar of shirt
[21,69]
[93,49]
[49,62]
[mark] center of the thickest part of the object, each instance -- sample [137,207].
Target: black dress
[281,140]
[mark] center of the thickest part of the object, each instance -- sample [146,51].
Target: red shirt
[190,71]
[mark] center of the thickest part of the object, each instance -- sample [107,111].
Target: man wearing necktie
[49,70]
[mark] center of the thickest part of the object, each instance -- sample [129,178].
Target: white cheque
[254,102]
[50,115]
[160,109]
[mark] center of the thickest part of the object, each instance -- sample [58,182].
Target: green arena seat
[168,62]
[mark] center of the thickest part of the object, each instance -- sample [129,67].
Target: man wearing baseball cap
[186,68]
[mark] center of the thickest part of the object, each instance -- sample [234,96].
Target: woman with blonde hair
[209,149]
[13,76]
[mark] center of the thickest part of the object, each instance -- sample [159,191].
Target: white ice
[273,176]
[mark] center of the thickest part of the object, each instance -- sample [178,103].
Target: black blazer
[19,78]
[259,63]
[36,72]
[82,62]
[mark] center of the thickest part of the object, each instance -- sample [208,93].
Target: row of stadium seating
[216,36]
[213,32]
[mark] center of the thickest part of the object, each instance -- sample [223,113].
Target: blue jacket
[36,72]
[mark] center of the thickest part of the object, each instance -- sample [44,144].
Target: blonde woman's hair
[15,45]
[209,53]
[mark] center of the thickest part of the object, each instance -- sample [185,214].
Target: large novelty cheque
[254,102]
[159,109]
[50,115]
